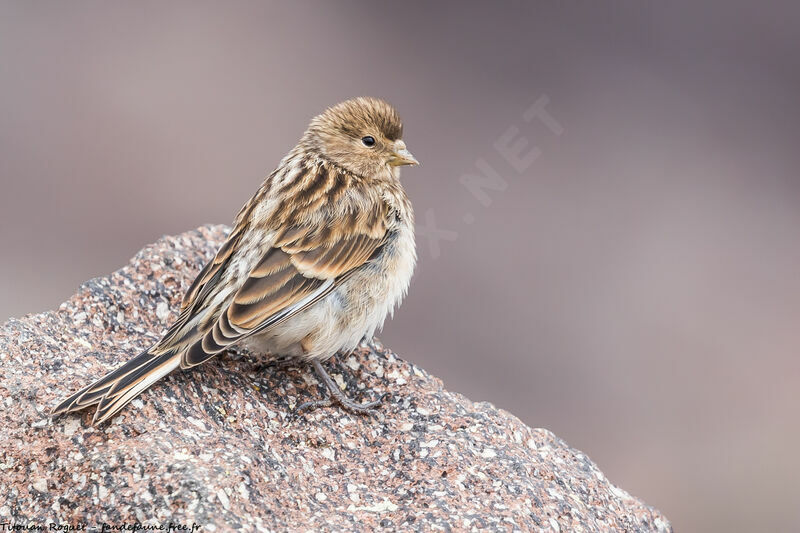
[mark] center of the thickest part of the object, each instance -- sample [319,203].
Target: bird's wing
[204,284]
[304,263]
[210,273]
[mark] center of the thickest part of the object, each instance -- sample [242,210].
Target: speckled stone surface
[219,446]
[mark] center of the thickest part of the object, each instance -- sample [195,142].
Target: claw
[337,396]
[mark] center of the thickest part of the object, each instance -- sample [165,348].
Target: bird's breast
[377,288]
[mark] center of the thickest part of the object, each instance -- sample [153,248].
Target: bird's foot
[283,361]
[337,396]
[236,352]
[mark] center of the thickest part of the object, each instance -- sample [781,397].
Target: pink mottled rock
[219,446]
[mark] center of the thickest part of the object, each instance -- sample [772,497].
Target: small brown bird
[316,259]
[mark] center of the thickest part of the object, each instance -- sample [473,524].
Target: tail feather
[119,397]
[114,390]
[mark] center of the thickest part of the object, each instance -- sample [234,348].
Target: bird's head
[364,135]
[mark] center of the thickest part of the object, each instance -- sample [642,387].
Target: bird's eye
[368,141]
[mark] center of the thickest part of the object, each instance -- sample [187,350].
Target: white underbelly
[353,310]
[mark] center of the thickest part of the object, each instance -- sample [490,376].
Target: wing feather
[306,261]
[212,269]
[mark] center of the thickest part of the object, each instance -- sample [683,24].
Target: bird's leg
[337,396]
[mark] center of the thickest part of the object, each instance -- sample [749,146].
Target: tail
[113,391]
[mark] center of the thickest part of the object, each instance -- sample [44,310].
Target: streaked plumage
[316,259]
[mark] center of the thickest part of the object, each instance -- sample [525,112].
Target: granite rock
[219,446]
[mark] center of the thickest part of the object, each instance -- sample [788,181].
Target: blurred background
[630,280]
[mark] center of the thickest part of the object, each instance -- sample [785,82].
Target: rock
[220,447]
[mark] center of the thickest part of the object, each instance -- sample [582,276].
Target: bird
[315,261]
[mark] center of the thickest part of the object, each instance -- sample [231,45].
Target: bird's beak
[401,155]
